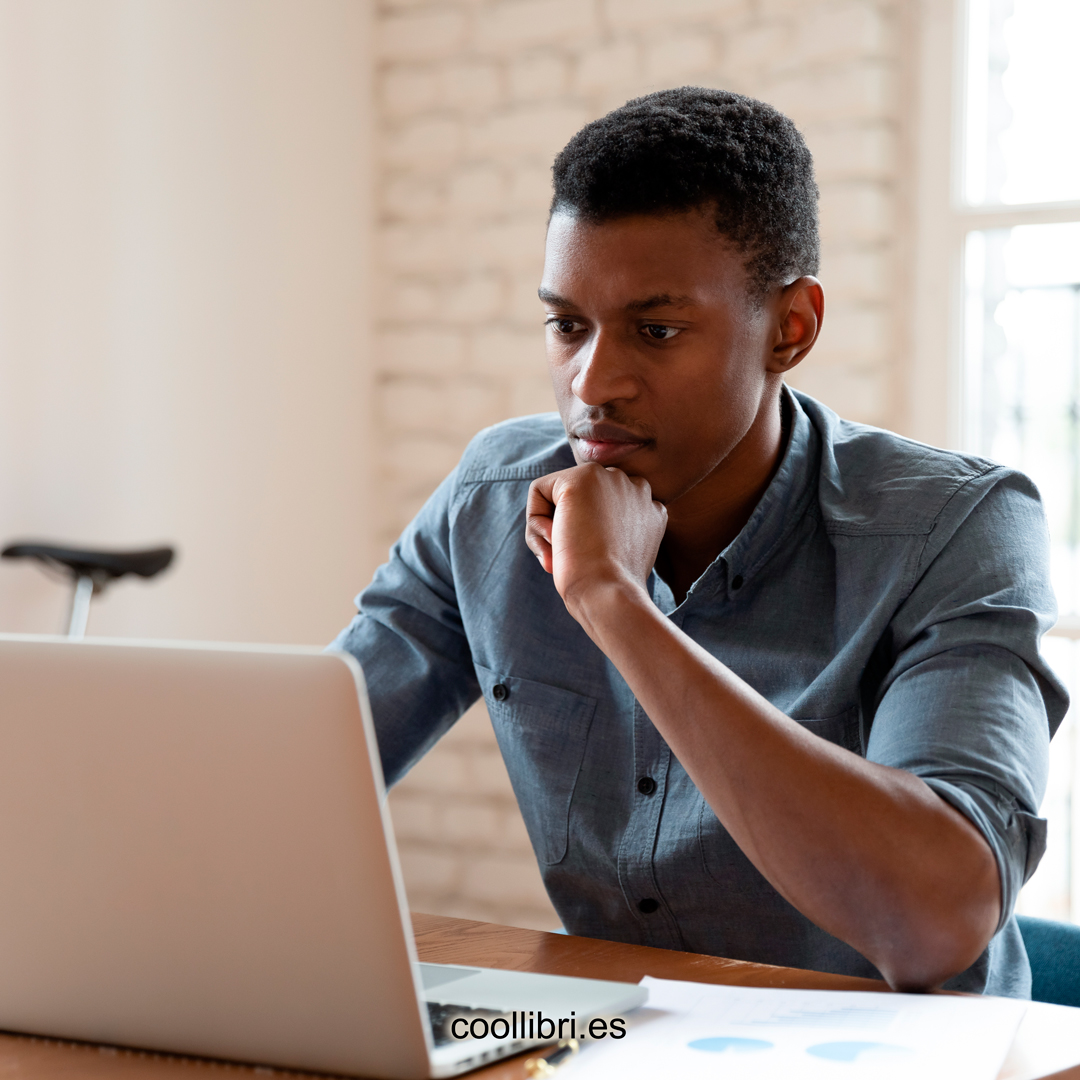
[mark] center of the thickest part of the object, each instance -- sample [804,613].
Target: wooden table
[1047,1044]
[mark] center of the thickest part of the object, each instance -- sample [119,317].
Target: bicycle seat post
[90,571]
[81,595]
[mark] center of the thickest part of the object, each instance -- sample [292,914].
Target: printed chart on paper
[693,1030]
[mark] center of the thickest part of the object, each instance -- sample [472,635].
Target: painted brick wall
[474,99]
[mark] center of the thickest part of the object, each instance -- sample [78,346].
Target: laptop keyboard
[442,1016]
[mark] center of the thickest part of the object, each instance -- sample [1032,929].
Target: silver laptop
[197,857]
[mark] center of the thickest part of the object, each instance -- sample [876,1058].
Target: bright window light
[1022,102]
[1023,336]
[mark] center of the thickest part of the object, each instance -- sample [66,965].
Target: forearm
[869,853]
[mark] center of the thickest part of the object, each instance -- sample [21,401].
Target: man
[767,683]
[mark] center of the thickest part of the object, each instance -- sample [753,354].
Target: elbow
[934,953]
[919,975]
[943,927]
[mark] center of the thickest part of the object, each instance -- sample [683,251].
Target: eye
[563,326]
[661,333]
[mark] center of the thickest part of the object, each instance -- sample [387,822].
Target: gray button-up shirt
[886,595]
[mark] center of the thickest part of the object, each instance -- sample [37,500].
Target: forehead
[615,262]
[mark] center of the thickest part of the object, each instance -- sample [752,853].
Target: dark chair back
[1054,951]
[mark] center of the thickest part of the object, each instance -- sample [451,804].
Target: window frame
[938,386]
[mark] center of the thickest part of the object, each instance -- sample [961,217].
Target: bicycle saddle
[100,565]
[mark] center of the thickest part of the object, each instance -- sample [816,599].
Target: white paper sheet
[694,1030]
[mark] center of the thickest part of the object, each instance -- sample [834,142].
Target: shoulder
[520,449]
[872,480]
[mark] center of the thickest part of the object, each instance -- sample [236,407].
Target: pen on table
[541,1067]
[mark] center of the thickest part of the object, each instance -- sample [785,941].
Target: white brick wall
[475,98]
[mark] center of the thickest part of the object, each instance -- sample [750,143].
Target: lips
[606,444]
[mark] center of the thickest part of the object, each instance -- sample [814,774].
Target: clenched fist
[590,526]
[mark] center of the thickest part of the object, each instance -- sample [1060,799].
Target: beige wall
[192,348]
[474,98]
[184,307]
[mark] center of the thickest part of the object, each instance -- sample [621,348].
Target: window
[997,335]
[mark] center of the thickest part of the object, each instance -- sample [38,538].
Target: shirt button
[646,785]
[648,905]
[737,582]
[500,691]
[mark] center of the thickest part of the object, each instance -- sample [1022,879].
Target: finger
[539,508]
[543,527]
[538,540]
[539,529]
[541,498]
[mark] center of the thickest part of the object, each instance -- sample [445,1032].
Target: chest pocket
[843,729]
[721,857]
[542,731]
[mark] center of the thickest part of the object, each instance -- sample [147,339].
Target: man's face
[657,351]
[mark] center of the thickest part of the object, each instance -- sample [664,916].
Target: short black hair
[678,150]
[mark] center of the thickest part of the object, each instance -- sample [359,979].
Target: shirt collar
[780,509]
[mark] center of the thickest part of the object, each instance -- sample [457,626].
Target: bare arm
[869,853]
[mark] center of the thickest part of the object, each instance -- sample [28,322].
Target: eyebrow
[646,304]
[660,300]
[554,299]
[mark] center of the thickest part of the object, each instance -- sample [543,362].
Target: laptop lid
[197,857]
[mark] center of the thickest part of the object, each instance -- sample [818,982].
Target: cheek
[733,379]
[708,415]
[562,369]
[713,396]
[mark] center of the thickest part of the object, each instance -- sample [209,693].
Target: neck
[707,518]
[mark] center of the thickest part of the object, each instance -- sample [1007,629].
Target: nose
[605,372]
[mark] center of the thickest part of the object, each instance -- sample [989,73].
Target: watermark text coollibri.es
[530,1025]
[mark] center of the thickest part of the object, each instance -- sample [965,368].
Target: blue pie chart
[852,1051]
[721,1044]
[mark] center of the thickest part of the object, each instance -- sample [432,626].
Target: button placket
[651,760]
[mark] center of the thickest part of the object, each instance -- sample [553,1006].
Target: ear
[798,310]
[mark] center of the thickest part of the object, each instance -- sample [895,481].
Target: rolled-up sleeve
[969,703]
